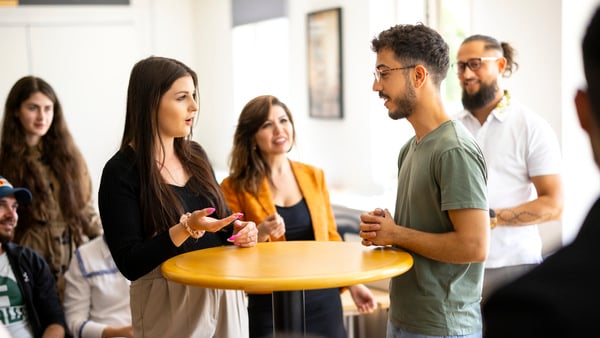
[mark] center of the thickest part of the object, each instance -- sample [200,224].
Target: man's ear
[584,110]
[420,75]
[501,63]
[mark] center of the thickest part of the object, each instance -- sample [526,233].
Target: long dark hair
[150,79]
[247,167]
[59,152]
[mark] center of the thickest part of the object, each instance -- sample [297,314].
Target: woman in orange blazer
[288,200]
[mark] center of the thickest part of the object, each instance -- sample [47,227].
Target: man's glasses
[473,64]
[381,73]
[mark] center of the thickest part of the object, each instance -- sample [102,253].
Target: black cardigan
[122,218]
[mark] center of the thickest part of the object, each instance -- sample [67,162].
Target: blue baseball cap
[23,195]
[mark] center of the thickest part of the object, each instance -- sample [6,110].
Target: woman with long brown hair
[159,198]
[38,152]
[289,201]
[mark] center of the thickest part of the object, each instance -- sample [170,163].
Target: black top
[121,214]
[298,226]
[322,307]
[559,298]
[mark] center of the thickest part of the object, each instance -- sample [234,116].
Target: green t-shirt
[445,171]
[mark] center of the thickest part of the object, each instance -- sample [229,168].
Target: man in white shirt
[559,298]
[522,155]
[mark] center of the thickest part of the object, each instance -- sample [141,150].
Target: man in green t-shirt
[441,214]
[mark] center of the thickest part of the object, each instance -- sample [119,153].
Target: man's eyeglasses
[473,64]
[379,73]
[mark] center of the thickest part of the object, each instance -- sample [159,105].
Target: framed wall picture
[325,89]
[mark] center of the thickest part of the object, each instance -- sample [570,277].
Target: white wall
[350,139]
[86,53]
[213,63]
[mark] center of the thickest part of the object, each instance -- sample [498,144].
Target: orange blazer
[314,189]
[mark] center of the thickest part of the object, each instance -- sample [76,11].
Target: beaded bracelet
[193,233]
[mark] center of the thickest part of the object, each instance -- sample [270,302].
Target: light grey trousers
[161,308]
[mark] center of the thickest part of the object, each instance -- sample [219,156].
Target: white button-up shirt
[96,293]
[517,144]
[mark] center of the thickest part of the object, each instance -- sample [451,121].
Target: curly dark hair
[416,44]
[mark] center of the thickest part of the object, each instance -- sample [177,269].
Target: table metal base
[288,314]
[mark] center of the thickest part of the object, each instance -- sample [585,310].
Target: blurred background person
[38,152]
[559,298]
[96,294]
[522,156]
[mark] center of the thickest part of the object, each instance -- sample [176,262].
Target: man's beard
[485,95]
[5,238]
[405,105]
[7,235]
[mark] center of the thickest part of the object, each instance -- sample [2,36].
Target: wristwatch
[493,219]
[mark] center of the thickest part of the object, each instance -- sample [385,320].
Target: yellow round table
[280,267]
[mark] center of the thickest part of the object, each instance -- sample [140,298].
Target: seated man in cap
[29,303]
